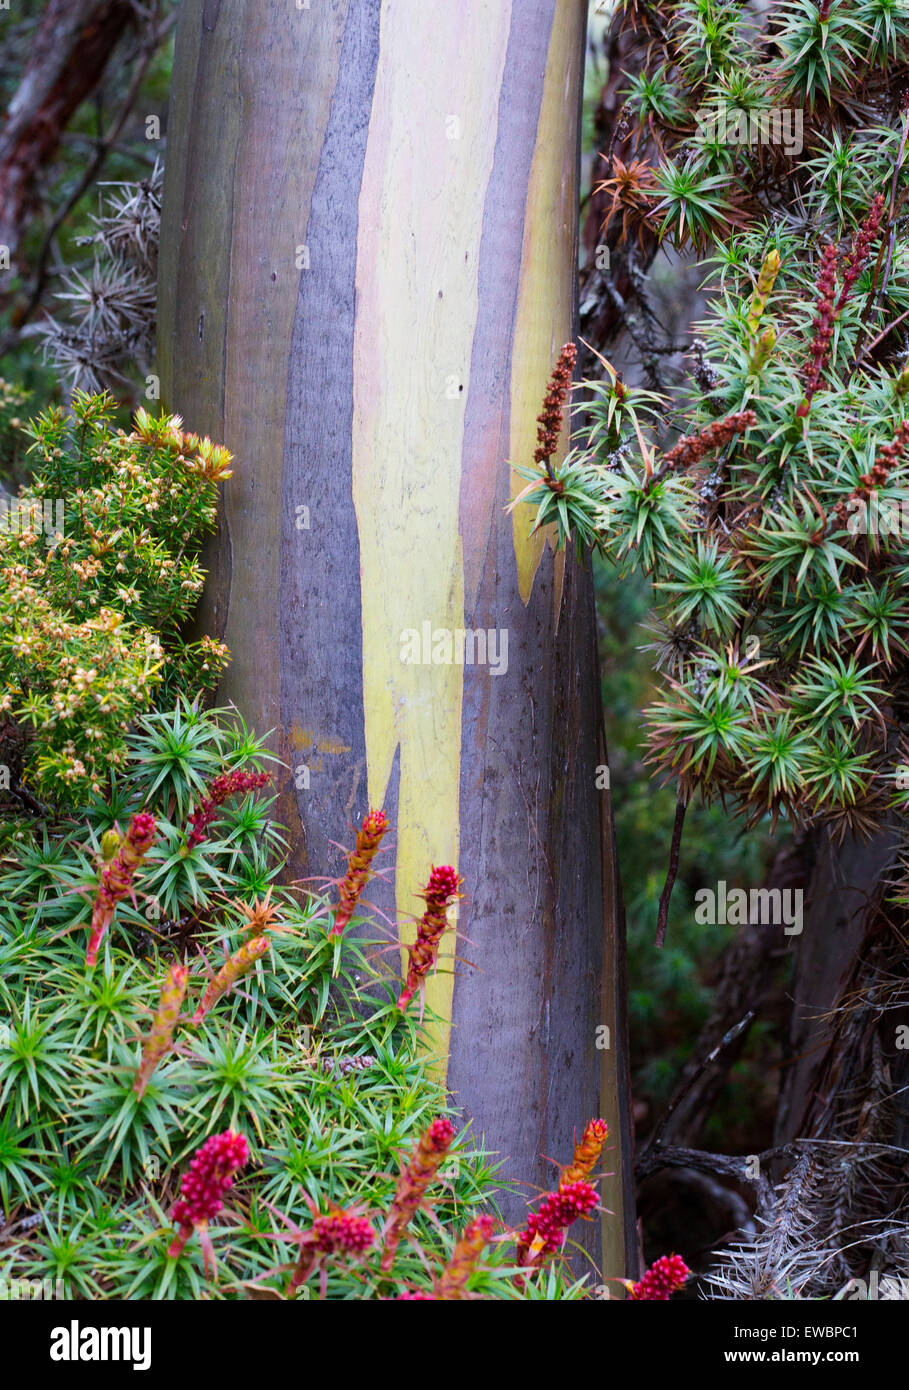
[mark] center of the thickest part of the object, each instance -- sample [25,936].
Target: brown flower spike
[369,837]
[549,421]
[440,892]
[886,459]
[691,448]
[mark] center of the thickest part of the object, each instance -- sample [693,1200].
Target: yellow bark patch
[306,738]
[543,319]
[428,159]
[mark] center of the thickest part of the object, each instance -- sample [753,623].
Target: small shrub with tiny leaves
[99,568]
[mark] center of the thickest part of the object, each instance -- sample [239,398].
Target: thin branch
[735,1031]
[103,147]
[36,807]
[681,807]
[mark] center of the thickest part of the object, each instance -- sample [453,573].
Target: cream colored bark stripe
[428,159]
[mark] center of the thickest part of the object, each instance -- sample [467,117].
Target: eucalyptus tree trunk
[844,895]
[367,271]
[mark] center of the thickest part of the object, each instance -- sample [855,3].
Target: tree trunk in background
[71,49]
[367,271]
[847,882]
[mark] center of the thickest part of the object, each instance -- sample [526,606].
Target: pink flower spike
[664,1277]
[228,784]
[210,1175]
[338,1233]
[440,892]
[546,1227]
[425,1160]
[369,838]
[117,879]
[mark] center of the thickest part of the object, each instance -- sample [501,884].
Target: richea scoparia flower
[161,1035]
[692,448]
[219,790]
[664,1277]
[231,971]
[369,838]
[440,892]
[452,1282]
[339,1233]
[117,879]
[546,1227]
[549,421]
[828,310]
[586,1153]
[211,1173]
[416,1175]
[770,269]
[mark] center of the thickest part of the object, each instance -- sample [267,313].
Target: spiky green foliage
[786,633]
[773,533]
[789,111]
[307,1055]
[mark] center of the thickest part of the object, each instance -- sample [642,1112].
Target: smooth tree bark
[367,271]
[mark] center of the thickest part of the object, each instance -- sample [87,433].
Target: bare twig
[103,148]
[681,806]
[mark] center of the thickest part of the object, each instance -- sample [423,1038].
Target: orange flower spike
[161,1035]
[586,1153]
[473,1241]
[369,837]
[240,962]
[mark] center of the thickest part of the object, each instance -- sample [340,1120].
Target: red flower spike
[425,1160]
[586,1154]
[210,1175]
[862,242]
[664,1277]
[828,310]
[117,879]
[440,892]
[369,837]
[823,327]
[339,1233]
[220,789]
[691,448]
[161,1035]
[473,1241]
[546,1227]
[885,460]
